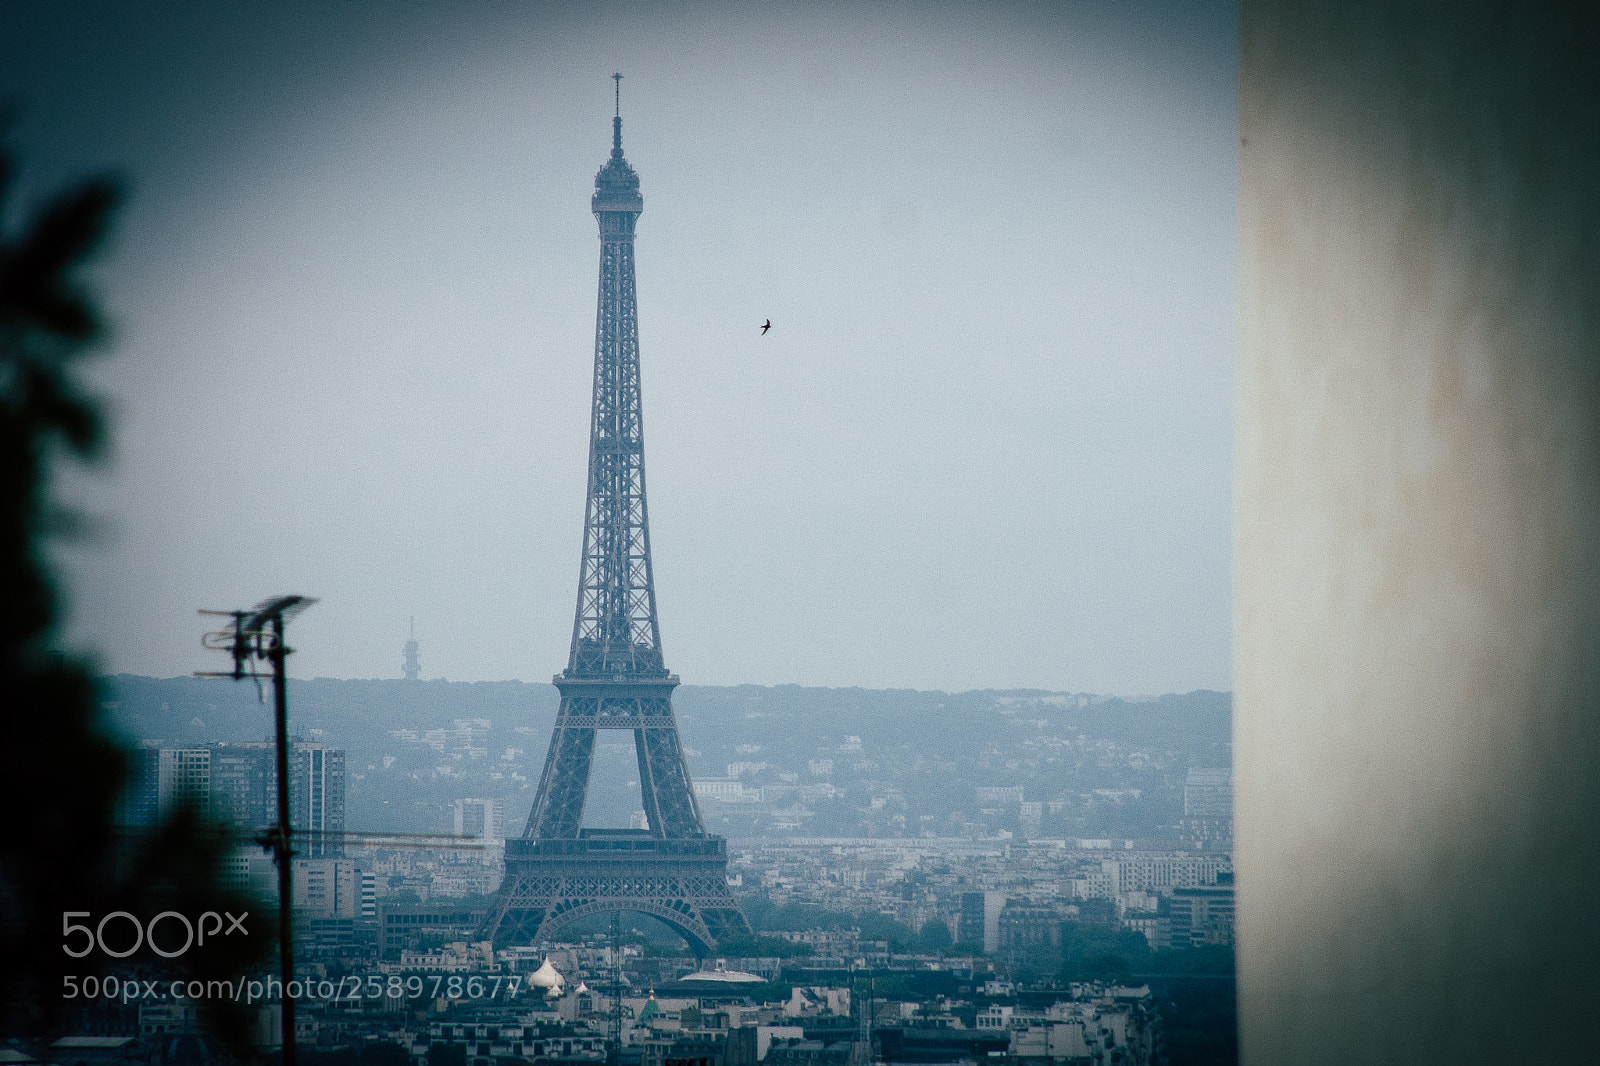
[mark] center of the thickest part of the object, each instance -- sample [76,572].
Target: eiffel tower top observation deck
[616,634]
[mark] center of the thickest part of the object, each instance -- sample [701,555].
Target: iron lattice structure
[615,676]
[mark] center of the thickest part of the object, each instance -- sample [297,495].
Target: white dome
[582,988]
[545,977]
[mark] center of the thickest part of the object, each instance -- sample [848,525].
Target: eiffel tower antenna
[616,122]
[616,677]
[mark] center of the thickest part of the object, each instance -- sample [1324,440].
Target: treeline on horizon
[925,751]
[181,710]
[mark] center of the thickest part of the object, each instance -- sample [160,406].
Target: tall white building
[1208,809]
[1208,793]
[239,783]
[183,776]
[316,797]
[481,818]
[367,903]
[326,888]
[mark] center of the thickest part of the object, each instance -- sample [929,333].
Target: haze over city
[986,442]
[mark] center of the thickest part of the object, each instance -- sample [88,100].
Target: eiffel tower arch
[615,678]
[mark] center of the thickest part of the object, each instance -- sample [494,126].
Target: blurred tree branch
[62,771]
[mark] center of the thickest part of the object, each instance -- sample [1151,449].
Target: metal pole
[284,856]
[248,639]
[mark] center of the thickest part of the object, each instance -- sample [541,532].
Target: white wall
[1417,533]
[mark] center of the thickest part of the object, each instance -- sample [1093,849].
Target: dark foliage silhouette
[61,769]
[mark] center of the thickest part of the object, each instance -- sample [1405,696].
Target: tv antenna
[252,636]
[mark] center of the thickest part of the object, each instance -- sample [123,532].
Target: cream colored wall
[1417,534]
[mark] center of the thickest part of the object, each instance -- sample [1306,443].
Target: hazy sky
[986,443]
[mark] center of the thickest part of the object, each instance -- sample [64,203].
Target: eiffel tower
[615,676]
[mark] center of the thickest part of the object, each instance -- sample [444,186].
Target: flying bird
[766,327]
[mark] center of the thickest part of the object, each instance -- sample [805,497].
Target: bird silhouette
[766,327]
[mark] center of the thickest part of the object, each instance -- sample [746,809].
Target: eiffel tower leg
[508,924]
[558,809]
[718,909]
[664,784]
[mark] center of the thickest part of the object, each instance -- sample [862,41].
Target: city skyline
[985,444]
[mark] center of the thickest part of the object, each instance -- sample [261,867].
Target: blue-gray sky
[987,442]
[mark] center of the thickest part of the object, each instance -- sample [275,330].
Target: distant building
[316,797]
[1153,873]
[726,790]
[1025,926]
[465,875]
[980,919]
[367,902]
[156,1018]
[403,925]
[413,666]
[325,888]
[141,804]
[1149,925]
[994,797]
[1208,809]
[183,778]
[239,783]
[250,870]
[481,818]
[1099,1025]
[244,782]
[1194,916]
[1208,793]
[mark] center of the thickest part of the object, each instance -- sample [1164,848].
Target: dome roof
[546,977]
[722,976]
[650,1009]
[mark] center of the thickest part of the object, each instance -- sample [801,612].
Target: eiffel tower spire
[616,631]
[615,676]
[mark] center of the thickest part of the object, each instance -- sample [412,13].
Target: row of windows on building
[239,783]
[322,888]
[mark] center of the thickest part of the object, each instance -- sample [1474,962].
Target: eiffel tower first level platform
[681,882]
[615,677]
